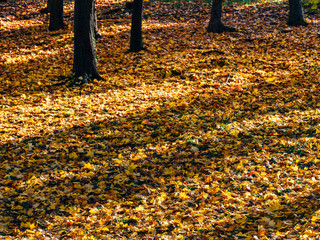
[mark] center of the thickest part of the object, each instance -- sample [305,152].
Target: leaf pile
[200,136]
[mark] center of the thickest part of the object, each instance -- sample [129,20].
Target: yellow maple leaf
[73,155]
[271,80]
[94,210]
[52,206]
[183,196]
[88,166]
[295,168]
[132,167]
[139,208]
[28,225]
[90,153]
[104,228]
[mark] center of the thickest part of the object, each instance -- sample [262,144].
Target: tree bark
[215,23]
[96,32]
[56,14]
[136,25]
[85,62]
[49,5]
[296,17]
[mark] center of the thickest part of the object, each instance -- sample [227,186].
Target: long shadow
[88,165]
[178,144]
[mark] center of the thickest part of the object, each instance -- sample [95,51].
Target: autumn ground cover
[199,136]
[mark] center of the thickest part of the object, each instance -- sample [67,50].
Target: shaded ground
[199,136]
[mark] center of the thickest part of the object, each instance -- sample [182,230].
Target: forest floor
[199,136]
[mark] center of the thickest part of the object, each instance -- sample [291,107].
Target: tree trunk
[56,14]
[85,62]
[49,5]
[96,32]
[296,17]
[136,32]
[215,23]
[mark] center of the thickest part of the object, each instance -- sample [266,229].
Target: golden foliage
[200,136]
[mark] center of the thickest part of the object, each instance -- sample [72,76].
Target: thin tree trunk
[136,31]
[296,17]
[85,62]
[56,14]
[96,32]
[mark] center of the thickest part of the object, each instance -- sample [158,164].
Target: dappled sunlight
[155,25]
[28,55]
[45,113]
[197,136]
[10,24]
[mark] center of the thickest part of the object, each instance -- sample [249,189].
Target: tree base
[79,80]
[44,10]
[51,29]
[296,23]
[136,49]
[97,35]
[220,28]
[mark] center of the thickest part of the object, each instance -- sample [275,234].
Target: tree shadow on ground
[143,154]
[183,153]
